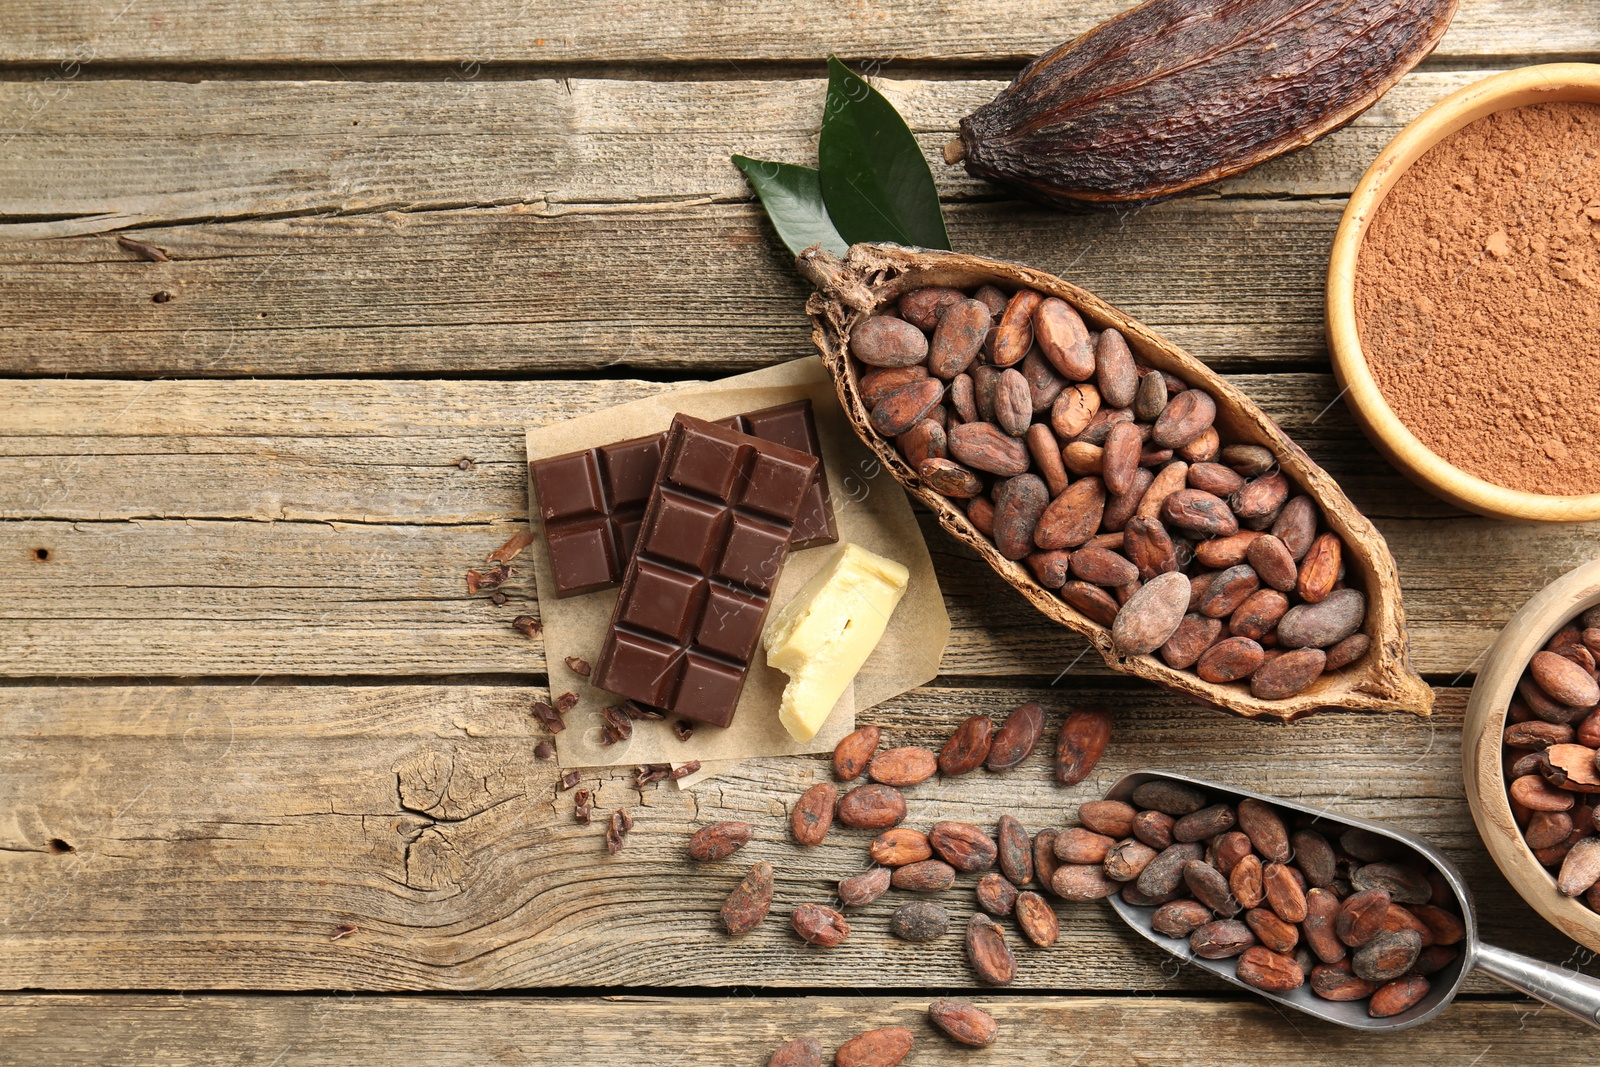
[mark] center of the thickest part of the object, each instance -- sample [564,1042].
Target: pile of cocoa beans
[924,862]
[1552,744]
[963,1024]
[1109,481]
[1353,914]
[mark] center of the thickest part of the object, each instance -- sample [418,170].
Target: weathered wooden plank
[700,290]
[1087,1031]
[605,30]
[220,835]
[235,528]
[147,152]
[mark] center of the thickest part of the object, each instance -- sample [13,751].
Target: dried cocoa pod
[1187,100]
[1388,955]
[1017,736]
[813,814]
[872,807]
[1014,850]
[899,846]
[1073,516]
[1171,798]
[1221,939]
[1210,887]
[1078,845]
[1326,623]
[718,841]
[1244,882]
[801,1052]
[1319,570]
[924,876]
[988,952]
[1037,919]
[967,748]
[996,896]
[1115,372]
[963,1023]
[1091,601]
[903,767]
[749,902]
[958,337]
[1288,674]
[875,1048]
[1073,410]
[1266,830]
[1150,399]
[1064,339]
[1013,334]
[963,846]
[1085,733]
[882,341]
[1082,882]
[920,921]
[1110,817]
[949,478]
[1127,860]
[1151,615]
[1199,514]
[1262,967]
[854,752]
[862,889]
[924,307]
[982,446]
[1018,505]
[1180,918]
[1207,822]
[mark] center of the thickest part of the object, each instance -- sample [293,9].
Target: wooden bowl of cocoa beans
[1530,743]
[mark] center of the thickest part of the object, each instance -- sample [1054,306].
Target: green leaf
[792,196]
[875,180]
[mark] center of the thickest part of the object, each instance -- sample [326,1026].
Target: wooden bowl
[873,277]
[1516,88]
[1525,634]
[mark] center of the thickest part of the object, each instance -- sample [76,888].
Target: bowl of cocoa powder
[1463,297]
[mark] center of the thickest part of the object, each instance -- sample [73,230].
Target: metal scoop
[1573,993]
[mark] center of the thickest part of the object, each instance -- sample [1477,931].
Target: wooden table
[247,697]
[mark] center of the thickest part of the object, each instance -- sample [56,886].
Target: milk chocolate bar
[593,501]
[696,592]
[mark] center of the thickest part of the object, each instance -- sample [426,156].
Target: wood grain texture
[607,30]
[220,835]
[1087,1031]
[324,528]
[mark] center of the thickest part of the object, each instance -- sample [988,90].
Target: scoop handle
[1576,994]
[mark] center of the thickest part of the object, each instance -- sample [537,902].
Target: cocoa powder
[1478,298]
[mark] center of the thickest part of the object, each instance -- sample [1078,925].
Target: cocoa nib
[578,665]
[570,779]
[511,549]
[647,773]
[682,729]
[582,808]
[566,702]
[479,581]
[528,625]
[548,717]
[687,769]
[621,823]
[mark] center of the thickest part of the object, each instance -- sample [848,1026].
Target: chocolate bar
[593,501]
[696,592]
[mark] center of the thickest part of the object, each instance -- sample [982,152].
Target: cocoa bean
[1296,525]
[1171,798]
[1078,845]
[718,841]
[1533,793]
[980,512]
[1221,939]
[1319,570]
[1227,551]
[920,921]
[1315,857]
[881,341]
[906,406]
[872,807]
[864,888]
[1266,830]
[1073,410]
[1110,817]
[1226,850]
[1272,931]
[992,296]
[1447,929]
[1017,736]
[963,846]
[1151,615]
[875,1048]
[1230,660]
[1547,829]
[1164,874]
[925,440]
[801,1052]
[1210,887]
[967,748]
[1540,704]
[1127,859]
[1085,733]
[903,767]
[1014,850]
[1150,399]
[749,902]
[963,1023]
[877,384]
[1361,917]
[1013,334]
[1346,652]
[1154,828]
[1045,863]
[1581,868]
[1082,882]
[1400,918]
[1167,480]
[1180,918]
[1037,919]
[1202,449]
[1120,456]
[1262,968]
[813,814]
[1258,616]
[1120,507]
[996,896]
[924,307]
[1248,460]
[1044,384]
[1115,372]
[1386,956]
[1405,885]
[1195,634]
[1018,505]
[1288,674]
[1244,882]
[949,478]
[1189,414]
[1149,547]
[1073,516]
[1401,994]
[899,846]
[1258,502]
[924,876]
[1367,846]
[1336,982]
[1320,925]
[1228,590]
[983,447]
[1091,601]
[988,952]
[963,400]
[1436,958]
[854,752]
[1564,681]
[1271,559]
[1207,822]
[1013,407]
[1046,453]
[984,378]
[958,337]
[1199,514]
[1283,892]
[1325,623]
[1064,339]
[1215,479]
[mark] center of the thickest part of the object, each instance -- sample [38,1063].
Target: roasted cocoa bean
[881,341]
[919,922]
[1564,681]
[1257,503]
[1164,874]
[1150,399]
[1228,590]
[1046,453]
[1244,882]
[1195,634]
[1064,339]
[1013,334]
[996,896]
[877,384]
[1323,624]
[1207,822]
[967,748]
[1388,955]
[875,1048]
[1018,505]
[1229,551]
[1230,660]
[1044,384]
[1120,507]
[1283,892]
[1210,887]
[1266,830]
[718,841]
[1198,514]
[1082,882]
[958,337]
[1272,931]
[1044,858]
[1272,561]
[1037,919]
[963,400]
[1202,449]
[1288,674]
[1361,917]
[1319,570]
[1315,857]
[1127,860]
[864,888]
[1115,372]
[982,446]
[1186,417]
[1074,409]
[1014,851]
[1149,547]
[949,478]
[963,846]
[1335,981]
[925,440]
[813,814]
[801,1052]
[1180,918]
[749,902]
[1073,516]
[1226,850]
[906,406]
[1405,885]
[1013,407]
[1078,845]
[1110,817]
[1273,971]
[1221,939]
[1085,733]
[1171,798]
[1401,994]
[1580,870]
[988,952]
[1091,601]
[963,1023]
[1120,456]
[1017,736]
[924,876]
[872,807]
[899,846]
[1259,615]
[904,766]
[853,753]
[1215,479]
[924,308]
[1151,615]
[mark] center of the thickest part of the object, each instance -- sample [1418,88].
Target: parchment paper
[869,508]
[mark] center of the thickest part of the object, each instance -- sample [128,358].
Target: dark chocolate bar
[593,501]
[696,592]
